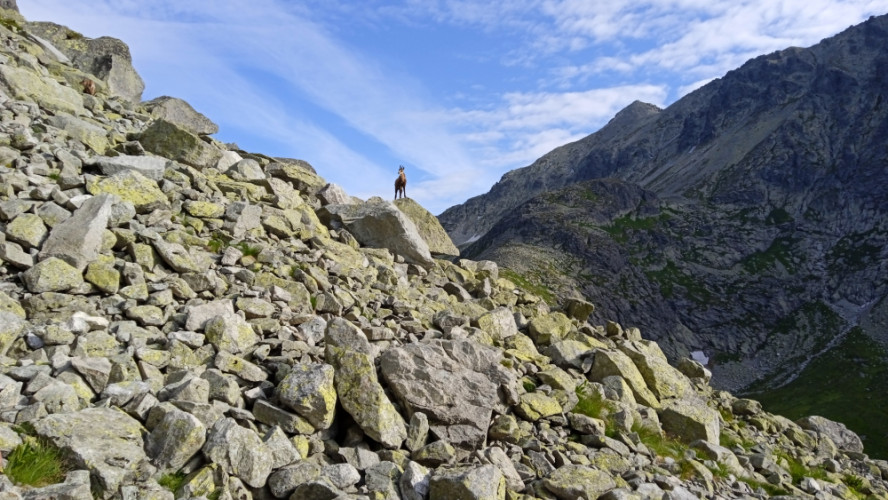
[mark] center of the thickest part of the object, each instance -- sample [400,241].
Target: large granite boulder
[379,224]
[175,110]
[107,58]
[170,140]
[358,387]
[106,441]
[78,239]
[844,438]
[428,226]
[45,91]
[454,382]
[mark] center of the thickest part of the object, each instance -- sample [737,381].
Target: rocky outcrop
[106,58]
[378,223]
[202,334]
[179,112]
[428,226]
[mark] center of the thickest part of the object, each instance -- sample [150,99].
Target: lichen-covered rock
[455,383]
[572,482]
[86,132]
[105,441]
[230,333]
[52,275]
[358,387]
[43,90]
[175,439]
[309,391]
[549,328]
[27,229]
[239,451]
[836,431]
[169,140]
[661,378]
[608,363]
[690,420]
[428,226]
[485,482]
[378,223]
[181,113]
[132,187]
[12,327]
[499,323]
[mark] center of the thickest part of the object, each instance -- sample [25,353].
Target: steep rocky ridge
[187,320]
[763,238]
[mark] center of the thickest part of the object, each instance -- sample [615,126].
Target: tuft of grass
[660,444]
[591,404]
[798,470]
[854,482]
[248,250]
[217,243]
[172,481]
[36,462]
[769,488]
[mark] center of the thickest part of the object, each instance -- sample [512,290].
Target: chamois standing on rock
[401,183]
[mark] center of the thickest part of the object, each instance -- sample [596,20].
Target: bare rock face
[8,4]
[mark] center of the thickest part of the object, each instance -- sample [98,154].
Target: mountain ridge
[767,222]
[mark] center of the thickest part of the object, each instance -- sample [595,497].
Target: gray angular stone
[690,420]
[151,167]
[177,438]
[415,481]
[454,382]
[572,482]
[836,431]
[379,224]
[308,390]
[105,441]
[175,110]
[358,387]
[239,452]
[484,482]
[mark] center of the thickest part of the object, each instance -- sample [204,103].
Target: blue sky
[458,91]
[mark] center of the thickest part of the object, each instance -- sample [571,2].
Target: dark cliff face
[763,233]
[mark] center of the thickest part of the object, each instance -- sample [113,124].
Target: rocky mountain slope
[183,319]
[754,225]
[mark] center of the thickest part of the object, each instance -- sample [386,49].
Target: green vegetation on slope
[855,370]
[36,462]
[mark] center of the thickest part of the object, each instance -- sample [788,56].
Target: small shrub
[218,242]
[853,482]
[36,462]
[172,481]
[528,385]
